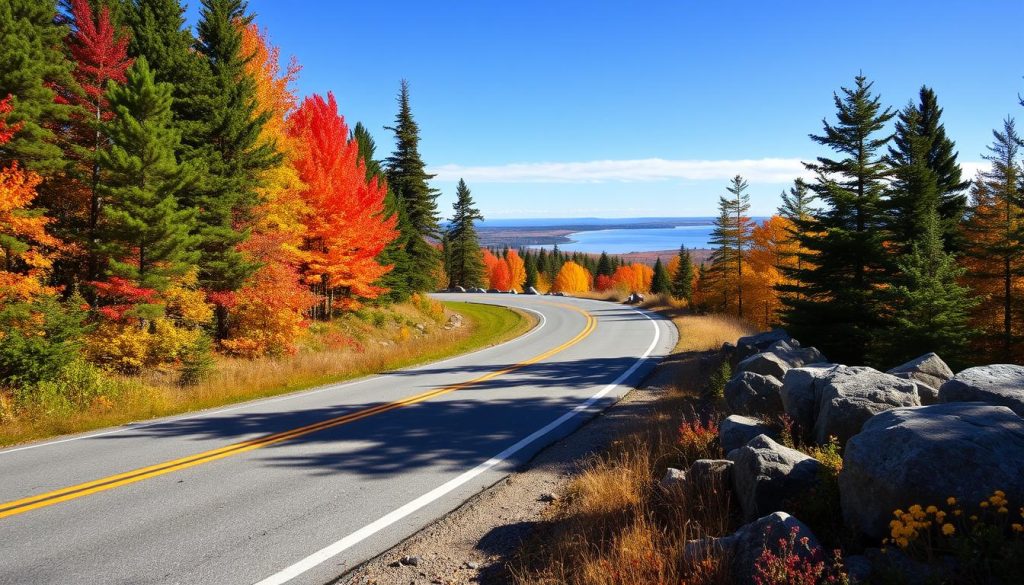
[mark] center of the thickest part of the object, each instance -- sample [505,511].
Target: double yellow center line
[107,483]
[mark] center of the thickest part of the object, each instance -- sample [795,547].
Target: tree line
[164,192]
[887,251]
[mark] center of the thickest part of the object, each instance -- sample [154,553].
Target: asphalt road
[303,487]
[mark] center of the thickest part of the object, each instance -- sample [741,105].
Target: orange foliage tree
[345,225]
[498,275]
[516,270]
[634,277]
[270,312]
[25,245]
[572,279]
[772,251]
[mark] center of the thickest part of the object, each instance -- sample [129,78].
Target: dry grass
[698,332]
[373,341]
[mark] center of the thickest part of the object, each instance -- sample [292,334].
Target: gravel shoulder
[471,544]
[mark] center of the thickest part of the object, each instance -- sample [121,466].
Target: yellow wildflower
[931,509]
[1017,527]
[1002,510]
[984,504]
[948,529]
[951,501]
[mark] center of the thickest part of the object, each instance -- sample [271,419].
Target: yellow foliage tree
[516,270]
[25,246]
[572,279]
[634,277]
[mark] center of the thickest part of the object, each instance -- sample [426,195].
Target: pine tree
[394,255]
[31,65]
[604,266]
[926,176]
[682,283]
[221,137]
[796,209]
[844,260]
[731,238]
[531,270]
[995,240]
[146,234]
[465,266]
[407,177]
[660,283]
[930,308]
[159,34]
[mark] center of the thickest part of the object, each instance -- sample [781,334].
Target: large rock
[751,344]
[745,546]
[852,395]
[750,393]
[737,430]
[764,363]
[929,371]
[999,384]
[795,357]
[801,394]
[710,472]
[767,475]
[924,455]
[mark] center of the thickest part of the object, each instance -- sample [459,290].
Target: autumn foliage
[572,279]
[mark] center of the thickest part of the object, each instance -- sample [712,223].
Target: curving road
[301,488]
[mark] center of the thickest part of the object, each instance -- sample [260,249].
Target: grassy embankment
[367,342]
[615,525]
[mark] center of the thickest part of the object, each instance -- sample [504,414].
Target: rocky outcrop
[751,344]
[736,431]
[924,455]
[766,475]
[714,473]
[930,373]
[752,393]
[795,357]
[764,363]
[998,384]
[852,395]
[801,394]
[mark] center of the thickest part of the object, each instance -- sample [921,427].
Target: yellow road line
[107,483]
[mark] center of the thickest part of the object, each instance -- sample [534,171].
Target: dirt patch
[473,543]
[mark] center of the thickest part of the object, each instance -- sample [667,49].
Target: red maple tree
[345,230]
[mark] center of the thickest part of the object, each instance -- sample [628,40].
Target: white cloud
[765,170]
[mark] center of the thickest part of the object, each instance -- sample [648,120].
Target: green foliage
[604,266]
[465,263]
[836,307]
[77,386]
[718,379]
[39,339]
[197,363]
[146,235]
[530,264]
[660,282]
[731,239]
[32,63]
[407,177]
[682,281]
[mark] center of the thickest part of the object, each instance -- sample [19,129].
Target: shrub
[796,563]
[719,378]
[78,386]
[38,339]
[197,363]
[698,438]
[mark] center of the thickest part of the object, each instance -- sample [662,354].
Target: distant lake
[623,241]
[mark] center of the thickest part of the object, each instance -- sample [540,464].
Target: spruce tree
[844,260]
[465,264]
[931,309]
[604,266]
[408,178]
[159,34]
[926,176]
[796,208]
[682,281]
[221,138]
[661,284]
[32,63]
[530,262]
[731,238]
[394,254]
[146,235]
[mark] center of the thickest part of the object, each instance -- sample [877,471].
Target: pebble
[472,565]
[548,497]
[411,560]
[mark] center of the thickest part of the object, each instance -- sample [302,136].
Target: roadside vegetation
[364,342]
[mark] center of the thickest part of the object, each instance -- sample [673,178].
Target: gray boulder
[737,430]
[795,357]
[801,394]
[852,395]
[764,363]
[751,393]
[929,371]
[766,475]
[674,479]
[713,473]
[999,384]
[751,344]
[924,455]
[746,545]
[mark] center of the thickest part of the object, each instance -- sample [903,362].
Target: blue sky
[618,109]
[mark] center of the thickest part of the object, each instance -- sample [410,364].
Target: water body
[624,241]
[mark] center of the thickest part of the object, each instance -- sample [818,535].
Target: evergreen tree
[838,308]
[465,265]
[407,177]
[926,175]
[221,137]
[930,309]
[530,260]
[146,234]
[731,238]
[159,34]
[604,266]
[682,282]
[31,65]
[661,284]
[394,254]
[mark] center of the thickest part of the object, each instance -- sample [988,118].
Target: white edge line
[365,532]
[289,396]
